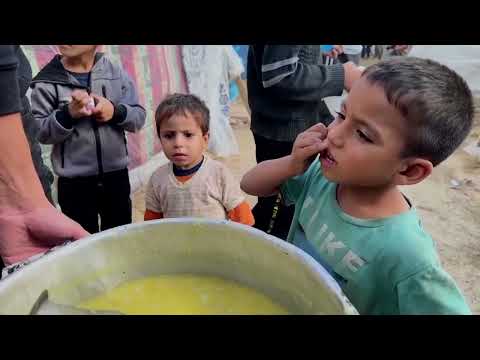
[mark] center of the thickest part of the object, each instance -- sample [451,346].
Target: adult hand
[352,74]
[337,50]
[401,49]
[34,229]
[79,106]
[103,111]
[306,146]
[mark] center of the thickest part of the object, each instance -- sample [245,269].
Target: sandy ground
[450,215]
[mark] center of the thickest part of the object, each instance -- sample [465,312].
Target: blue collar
[185,172]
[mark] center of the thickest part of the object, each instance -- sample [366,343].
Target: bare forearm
[265,178]
[242,87]
[19,183]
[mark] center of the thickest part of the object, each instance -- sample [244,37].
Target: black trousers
[84,198]
[270,214]
[366,49]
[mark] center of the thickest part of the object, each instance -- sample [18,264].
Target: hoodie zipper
[62,145]
[98,142]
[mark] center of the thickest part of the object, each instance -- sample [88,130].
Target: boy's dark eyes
[363,136]
[172,135]
[360,133]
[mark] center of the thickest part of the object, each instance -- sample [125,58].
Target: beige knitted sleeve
[151,199]
[232,195]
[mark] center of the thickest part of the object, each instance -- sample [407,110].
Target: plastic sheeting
[209,70]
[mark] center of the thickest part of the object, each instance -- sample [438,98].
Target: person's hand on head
[78,107]
[103,110]
[352,74]
[337,50]
[306,147]
[401,49]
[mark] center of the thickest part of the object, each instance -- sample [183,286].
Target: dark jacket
[10,94]
[286,85]
[84,147]
[31,127]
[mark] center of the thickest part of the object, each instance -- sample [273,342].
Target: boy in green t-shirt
[402,117]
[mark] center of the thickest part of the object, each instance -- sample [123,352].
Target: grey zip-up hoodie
[84,147]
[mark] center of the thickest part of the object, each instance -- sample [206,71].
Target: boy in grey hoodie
[84,103]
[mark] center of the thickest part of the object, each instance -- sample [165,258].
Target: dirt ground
[448,203]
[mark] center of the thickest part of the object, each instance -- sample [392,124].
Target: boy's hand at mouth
[307,146]
[266,178]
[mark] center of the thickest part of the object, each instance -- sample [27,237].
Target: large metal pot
[91,266]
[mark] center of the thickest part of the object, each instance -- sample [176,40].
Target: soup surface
[184,294]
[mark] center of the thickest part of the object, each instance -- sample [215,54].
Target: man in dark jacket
[286,85]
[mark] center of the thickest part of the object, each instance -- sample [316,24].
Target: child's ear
[413,171]
[206,136]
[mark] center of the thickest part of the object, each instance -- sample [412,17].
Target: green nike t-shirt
[384,266]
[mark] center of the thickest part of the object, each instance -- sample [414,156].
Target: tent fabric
[209,70]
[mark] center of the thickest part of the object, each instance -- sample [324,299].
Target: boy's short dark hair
[436,102]
[181,104]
